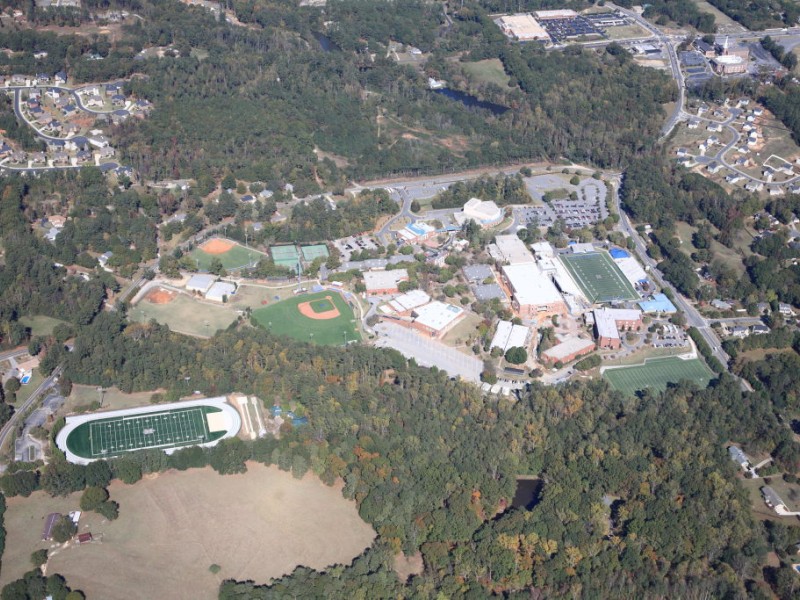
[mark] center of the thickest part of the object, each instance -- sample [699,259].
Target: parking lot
[355,243]
[589,209]
[563,29]
[672,337]
[428,352]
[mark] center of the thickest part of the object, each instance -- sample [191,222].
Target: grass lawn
[185,315]
[254,295]
[256,526]
[599,277]
[487,71]
[83,396]
[643,355]
[235,258]
[625,32]
[760,510]
[41,325]
[284,318]
[657,373]
[459,334]
[26,390]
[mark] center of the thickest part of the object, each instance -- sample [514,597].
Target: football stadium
[167,427]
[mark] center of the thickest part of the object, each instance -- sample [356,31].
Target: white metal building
[437,317]
[219,290]
[512,250]
[200,283]
[509,335]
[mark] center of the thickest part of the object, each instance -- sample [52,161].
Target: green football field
[284,318]
[236,258]
[599,277]
[101,438]
[656,373]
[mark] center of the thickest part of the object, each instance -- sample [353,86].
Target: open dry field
[185,315]
[113,399]
[174,526]
[487,71]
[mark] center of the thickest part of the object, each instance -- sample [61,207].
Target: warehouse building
[200,283]
[533,294]
[221,291]
[409,301]
[523,28]
[383,283]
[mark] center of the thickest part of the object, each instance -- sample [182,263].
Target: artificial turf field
[236,258]
[284,318]
[656,373]
[158,429]
[599,277]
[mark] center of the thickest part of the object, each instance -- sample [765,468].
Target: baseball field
[322,318]
[231,254]
[657,373]
[173,526]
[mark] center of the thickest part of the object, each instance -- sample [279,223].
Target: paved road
[12,353]
[693,317]
[34,397]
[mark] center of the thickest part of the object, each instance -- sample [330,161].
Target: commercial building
[437,318]
[484,212]
[221,291]
[477,273]
[569,349]
[511,250]
[533,294]
[509,335]
[543,250]
[544,15]
[658,304]
[381,283]
[609,321]
[200,283]
[523,28]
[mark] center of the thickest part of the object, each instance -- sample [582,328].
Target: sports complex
[167,427]
[232,255]
[321,318]
[657,373]
[600,279]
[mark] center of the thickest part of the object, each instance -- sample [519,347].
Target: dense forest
[760,14]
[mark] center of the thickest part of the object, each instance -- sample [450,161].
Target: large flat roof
[531,286]
[381,280]
[509,335]
[437,315]
[568,347]
[513,250]
[522,27]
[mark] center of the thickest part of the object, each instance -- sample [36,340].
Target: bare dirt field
[160,296]
[174,526]
[217,246]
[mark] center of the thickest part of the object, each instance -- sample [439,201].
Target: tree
[127,470]
[98,473]
[12,386]
[93,497]
[516,355]
[21,483]
[228,182]
[109,509]
[61,478]
[39,557]
[63,530]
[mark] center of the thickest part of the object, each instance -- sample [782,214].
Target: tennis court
[285,256]
[598,276]
[172,428]
[314,251]
[656,373]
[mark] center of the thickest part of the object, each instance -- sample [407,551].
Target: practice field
[258,525]
[657,373]
[185,315]
[232,255]
[599,277]
[322,318]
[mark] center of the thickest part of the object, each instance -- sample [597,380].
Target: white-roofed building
[437,318]
[200,283]
[221,291]
[511,250]
[381,283]
[543,250]
[581,248]
[484,212]
[409,301]
[561,13]
[632,270]
[533,294]
[608,322]
[509,335]
[416,232]
[522,27]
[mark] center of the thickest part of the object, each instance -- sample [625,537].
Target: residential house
[99,141]
[60,78]
[38,158]
[118,100]
[714,127]
[693,124]
[60,158]
[754,186]
[714,168]
[106,152]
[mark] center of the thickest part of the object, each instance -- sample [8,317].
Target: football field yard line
[127,433]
